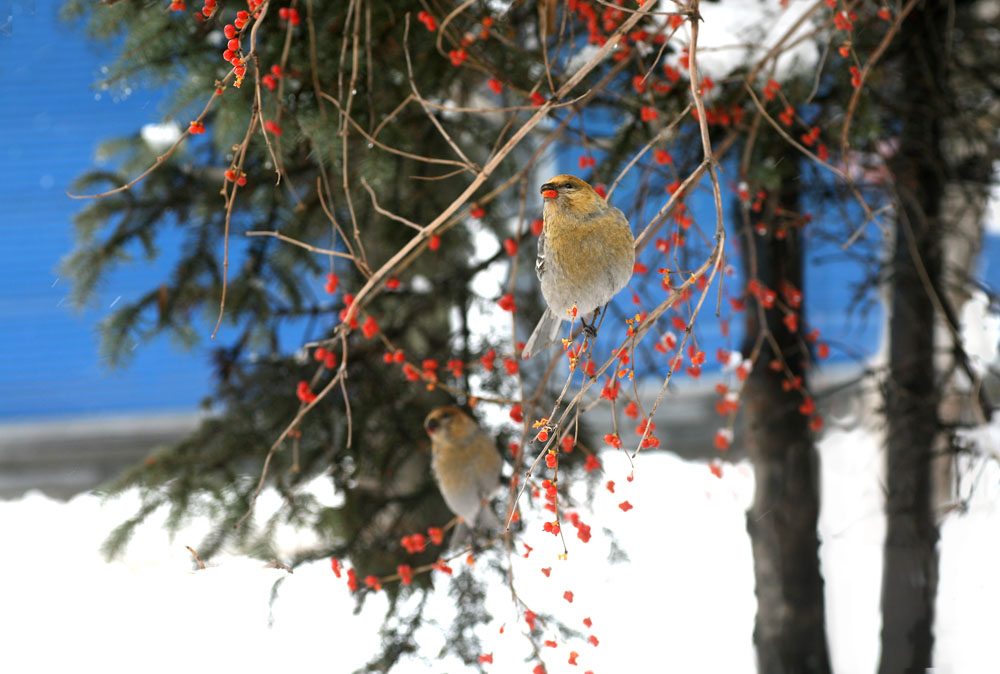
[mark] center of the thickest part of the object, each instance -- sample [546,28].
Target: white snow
[732,35]
[160,136]
[992,215]
[684,602]
[980,328]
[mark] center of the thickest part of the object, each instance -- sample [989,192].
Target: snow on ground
[684,602]
[728,31]
[852,529]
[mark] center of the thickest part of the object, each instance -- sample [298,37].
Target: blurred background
[70,421]
[76,414]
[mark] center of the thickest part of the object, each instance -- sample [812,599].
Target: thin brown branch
[201,564]
[163,157]
[863,76]
[388,148]
[295,242]
[420,99]
[388,214]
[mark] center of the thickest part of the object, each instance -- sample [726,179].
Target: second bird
[466,466]
[585,256]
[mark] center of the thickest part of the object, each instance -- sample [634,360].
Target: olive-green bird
[586,255]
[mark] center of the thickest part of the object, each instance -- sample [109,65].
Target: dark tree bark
[910,572]
[789,633]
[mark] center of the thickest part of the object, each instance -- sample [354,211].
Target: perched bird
[585,256]
[466,466]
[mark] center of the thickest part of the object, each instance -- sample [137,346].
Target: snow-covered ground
[683,603]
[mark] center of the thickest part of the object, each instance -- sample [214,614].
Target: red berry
[507,303]
[662,157]
[370,327]
[405,574]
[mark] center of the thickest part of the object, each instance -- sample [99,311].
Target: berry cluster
[289,14]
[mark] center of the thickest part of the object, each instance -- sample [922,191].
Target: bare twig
[295,242]
[201,564]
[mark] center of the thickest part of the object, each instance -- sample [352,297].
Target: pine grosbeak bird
[585,256]
[466,466]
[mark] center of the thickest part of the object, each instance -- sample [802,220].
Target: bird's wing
[540,260]
[619,216]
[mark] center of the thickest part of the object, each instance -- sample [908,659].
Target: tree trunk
[790,633]
[910,571]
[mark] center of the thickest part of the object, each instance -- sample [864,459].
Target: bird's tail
[487,520]
[487,525]
[544,334]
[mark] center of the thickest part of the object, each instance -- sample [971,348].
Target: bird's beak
[549,191]
[431,425]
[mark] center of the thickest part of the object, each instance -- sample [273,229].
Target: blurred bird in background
[466,465]
[585,256]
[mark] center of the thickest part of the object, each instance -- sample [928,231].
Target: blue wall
[51,121]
